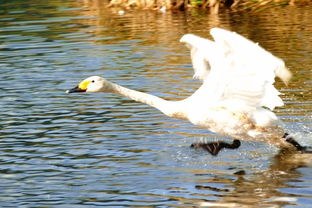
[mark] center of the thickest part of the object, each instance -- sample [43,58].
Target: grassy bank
[215,6]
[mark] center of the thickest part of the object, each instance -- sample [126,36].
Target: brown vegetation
[213,5]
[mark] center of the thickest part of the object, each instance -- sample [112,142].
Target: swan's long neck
[169,108]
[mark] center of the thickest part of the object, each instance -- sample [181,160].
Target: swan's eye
[92,81]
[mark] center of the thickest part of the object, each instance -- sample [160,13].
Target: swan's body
[236,94]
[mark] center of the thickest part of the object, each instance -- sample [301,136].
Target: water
[96,150]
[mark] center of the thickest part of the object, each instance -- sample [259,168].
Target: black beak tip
[76,89]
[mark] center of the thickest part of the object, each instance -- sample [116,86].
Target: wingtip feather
[284,74]
[186,38]
[216,31]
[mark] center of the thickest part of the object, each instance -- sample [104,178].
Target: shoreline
[213,6]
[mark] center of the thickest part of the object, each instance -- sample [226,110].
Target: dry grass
[213,5]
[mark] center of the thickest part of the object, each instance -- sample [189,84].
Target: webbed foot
[215,147]
[302,149]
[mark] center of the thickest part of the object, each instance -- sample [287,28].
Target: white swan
[236,97]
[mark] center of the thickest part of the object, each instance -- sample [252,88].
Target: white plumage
[236,93]
[238,77]
[235,68]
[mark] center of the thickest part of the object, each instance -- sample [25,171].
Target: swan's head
[91,84]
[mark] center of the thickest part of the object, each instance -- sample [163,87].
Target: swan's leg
[215,147]
[300,148]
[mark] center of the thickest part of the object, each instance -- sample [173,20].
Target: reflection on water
[102,150]
[268,187]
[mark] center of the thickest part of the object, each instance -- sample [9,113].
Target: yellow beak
[82,87]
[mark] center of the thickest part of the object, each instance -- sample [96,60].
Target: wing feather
[236,69]
[198,47]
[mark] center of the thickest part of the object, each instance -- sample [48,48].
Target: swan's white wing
[243,54]
[198,47]
[240,70]
[252,70]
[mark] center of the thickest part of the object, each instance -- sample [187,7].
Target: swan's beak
[76,89]
[82,87]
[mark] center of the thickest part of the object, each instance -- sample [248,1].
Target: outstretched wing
[236,69]
[199,48]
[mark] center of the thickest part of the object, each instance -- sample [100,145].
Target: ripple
[88,150]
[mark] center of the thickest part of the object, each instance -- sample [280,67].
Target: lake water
[101,150]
